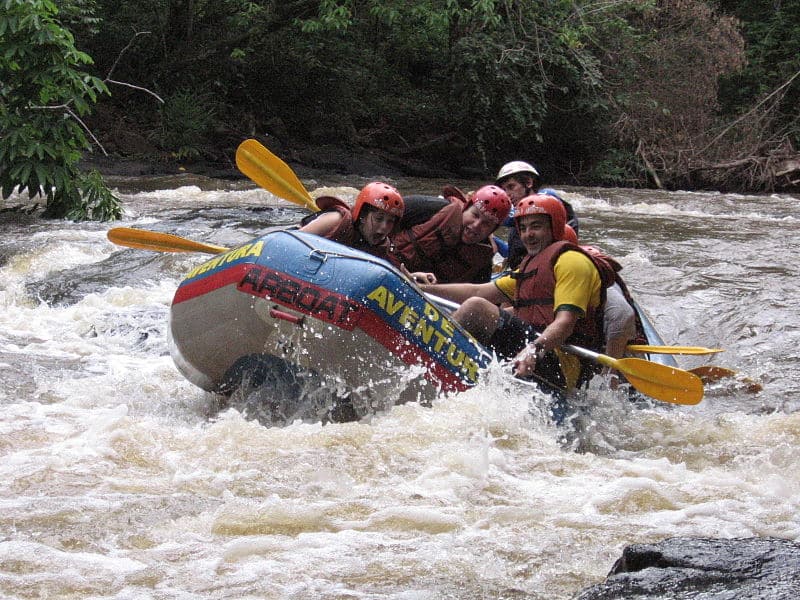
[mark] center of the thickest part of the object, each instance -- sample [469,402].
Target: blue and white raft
[312,324]
[292,304]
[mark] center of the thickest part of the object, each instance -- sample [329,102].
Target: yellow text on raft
[253,249]
[434,329]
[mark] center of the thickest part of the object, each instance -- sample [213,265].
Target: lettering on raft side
[432,329]
[301,296]
[253,249]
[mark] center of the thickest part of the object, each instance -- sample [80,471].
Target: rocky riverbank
[704,569]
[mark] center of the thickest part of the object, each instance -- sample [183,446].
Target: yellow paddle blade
[272,174]
[672,349]
[159,242]
[658,381]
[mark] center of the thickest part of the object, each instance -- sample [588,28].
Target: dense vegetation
[670,93]
[44,93]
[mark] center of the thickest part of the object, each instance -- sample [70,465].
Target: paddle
[272,174]
[662,382]
[160,242]
[713,373]
[672,349]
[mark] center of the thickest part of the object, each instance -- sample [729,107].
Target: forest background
[678,94]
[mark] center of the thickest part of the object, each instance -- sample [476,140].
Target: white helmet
[515,167]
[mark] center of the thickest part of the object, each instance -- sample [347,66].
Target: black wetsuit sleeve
[419,209]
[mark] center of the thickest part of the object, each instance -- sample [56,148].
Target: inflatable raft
[313,315]
[292,325]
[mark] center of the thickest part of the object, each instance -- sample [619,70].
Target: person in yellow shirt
[556,297]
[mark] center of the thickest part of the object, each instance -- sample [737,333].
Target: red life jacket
[346,232]
[435,246]
[536,283]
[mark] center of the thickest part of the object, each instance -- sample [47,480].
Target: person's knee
[478,305]
[478,316]
[472,310]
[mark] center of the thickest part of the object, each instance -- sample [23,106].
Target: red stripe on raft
[303,296]
[204,285]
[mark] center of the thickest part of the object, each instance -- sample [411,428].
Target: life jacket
[346,232]
[641,337]
[435,246]
[536,282]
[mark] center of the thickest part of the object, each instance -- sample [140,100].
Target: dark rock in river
[704,569]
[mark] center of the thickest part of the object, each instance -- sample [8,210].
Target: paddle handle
[648,349]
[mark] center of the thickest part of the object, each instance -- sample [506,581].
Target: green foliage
[772,31]
[79,15]
[661,85]
[87,198]
[186,118]
[333,16]
[488,70]
[43,93]
[577,86]
[618,168]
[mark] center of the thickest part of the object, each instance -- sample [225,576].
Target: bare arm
[418,276]
[559,330]
[459,292]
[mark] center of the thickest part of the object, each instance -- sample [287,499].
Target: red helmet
[493,201]
[542,204]
[570,235]
[382,196]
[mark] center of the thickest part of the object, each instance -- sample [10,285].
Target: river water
[122,480]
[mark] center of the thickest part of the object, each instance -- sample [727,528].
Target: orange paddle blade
[159,242]
[272,174]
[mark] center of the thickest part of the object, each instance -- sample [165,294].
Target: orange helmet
[382,196]
[570,235]
[493,201]
[542,204]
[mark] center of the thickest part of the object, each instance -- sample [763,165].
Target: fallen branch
[648,165]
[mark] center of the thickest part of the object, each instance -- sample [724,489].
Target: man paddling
[556,298]
[619,316]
